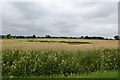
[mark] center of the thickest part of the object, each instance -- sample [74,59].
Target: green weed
[18,63]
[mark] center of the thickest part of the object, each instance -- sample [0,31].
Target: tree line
[9,36]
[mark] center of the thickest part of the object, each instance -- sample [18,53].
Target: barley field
[26,45]
[59,58]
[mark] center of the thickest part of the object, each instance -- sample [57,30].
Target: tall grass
[20,63]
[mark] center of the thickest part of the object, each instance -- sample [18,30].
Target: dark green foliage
[8,36]
[117,37]
[37,63]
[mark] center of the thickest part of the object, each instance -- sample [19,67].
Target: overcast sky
[60,18]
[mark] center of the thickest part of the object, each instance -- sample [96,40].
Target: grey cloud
[65,18]
[28,9]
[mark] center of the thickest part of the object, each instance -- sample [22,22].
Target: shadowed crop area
[68,42]
[37,63]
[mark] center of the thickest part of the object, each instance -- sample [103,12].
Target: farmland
[25,44]
[59,58]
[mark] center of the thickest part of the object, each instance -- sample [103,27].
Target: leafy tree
[86,37]
[34,36]
[8,36]
[82,37]
[48,36]
[117,37]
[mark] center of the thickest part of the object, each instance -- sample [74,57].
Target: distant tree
[13,36]
[8,36]
[111,39]
[0,36]
[86,37]
[100,38]
[82,37]
[3,36]
[48,36]
[117,37]
[34,36]
[106,39]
